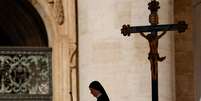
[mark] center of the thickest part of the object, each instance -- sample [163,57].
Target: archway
[24,54]
[21,25]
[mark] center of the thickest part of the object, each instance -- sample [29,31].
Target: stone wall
[120,63]
[183,53]
[197,47]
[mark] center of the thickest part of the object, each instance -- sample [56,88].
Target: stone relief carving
[73,54]
[24,74]
[25,71]
[50,1]
[58,10]
[73,65]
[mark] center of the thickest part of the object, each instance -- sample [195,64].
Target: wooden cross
[153,38]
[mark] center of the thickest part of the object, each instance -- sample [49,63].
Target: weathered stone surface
[119,62]
[185,90]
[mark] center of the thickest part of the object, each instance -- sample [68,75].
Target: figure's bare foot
[161,58]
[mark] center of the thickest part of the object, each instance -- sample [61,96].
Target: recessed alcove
[21,25]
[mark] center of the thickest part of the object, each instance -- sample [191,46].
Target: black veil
[96,85]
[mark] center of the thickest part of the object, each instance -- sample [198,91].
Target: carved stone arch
[63,40]
[46,14]
[21,25]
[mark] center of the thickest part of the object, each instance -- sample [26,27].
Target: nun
[98,91]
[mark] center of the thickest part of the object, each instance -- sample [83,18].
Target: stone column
[66,47]
[59,17]
[120,63]
[197,47]
[185,89]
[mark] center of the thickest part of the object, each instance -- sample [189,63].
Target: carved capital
[58,10]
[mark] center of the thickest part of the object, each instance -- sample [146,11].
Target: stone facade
[119,63]
[60,21]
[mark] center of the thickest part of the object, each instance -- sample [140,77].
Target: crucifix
[153,39]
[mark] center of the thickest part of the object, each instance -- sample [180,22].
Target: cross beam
[180,27]
[153,38]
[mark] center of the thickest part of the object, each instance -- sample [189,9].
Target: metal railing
[25,74]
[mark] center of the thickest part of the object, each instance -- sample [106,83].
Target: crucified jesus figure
[154,57]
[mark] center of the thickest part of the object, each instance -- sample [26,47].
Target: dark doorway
[21,25]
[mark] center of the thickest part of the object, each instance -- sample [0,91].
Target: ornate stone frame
[5,51]
[59,17]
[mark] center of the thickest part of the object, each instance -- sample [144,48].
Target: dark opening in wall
[21,25]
